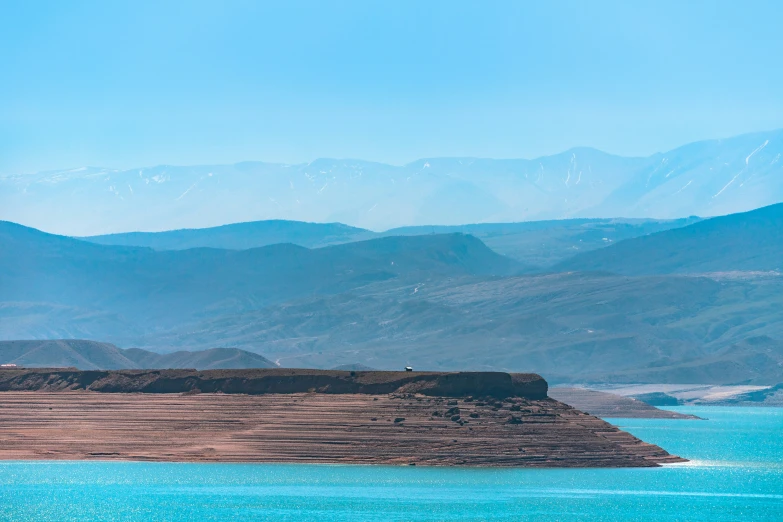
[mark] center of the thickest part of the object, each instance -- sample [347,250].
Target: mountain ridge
[708,178]
[140,285]
[748,241]
[533,243]
[443,301]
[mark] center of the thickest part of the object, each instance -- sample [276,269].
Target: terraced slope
[314,428]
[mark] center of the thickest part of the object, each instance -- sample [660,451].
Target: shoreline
[462,467]
[606,405]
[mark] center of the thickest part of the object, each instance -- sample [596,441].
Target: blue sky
[123,84]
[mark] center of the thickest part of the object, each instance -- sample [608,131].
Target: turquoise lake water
[736,473]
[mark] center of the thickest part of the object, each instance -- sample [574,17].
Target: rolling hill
[157,289]
[240,236]
[534,243]
[438,301]
[91,355]
[545,243]
[568,327]
[750,241]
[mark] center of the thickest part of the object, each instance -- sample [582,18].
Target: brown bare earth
[413,426]
[603,404]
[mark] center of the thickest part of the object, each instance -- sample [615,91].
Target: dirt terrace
[356,428]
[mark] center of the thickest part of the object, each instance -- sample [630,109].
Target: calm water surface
[736,473]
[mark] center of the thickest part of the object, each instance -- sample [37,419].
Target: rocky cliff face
[278,381]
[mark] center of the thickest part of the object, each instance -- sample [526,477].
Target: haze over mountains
[615,313]
[705,178]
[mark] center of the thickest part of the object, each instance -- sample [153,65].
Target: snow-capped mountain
[704,178]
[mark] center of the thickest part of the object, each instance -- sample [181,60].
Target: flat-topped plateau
[281,415]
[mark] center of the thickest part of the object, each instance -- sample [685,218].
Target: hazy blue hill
[750,361]
[544,243]
[164,288]
[37,320]
[92,355]
[706,178]
[240,236]
[533,243]
[750,241]
[450,254]
[209,359]
[354,367]
[569,327]
[434,301]
[85,355]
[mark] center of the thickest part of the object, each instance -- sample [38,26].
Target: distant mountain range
[706,178]
[698,303]
[91,355]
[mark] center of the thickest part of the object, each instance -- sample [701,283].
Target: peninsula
[314,416]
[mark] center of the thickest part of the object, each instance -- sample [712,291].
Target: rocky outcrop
[278,381]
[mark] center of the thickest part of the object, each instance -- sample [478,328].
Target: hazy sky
[123,84]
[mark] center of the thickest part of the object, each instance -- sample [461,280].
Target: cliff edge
[278,381]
